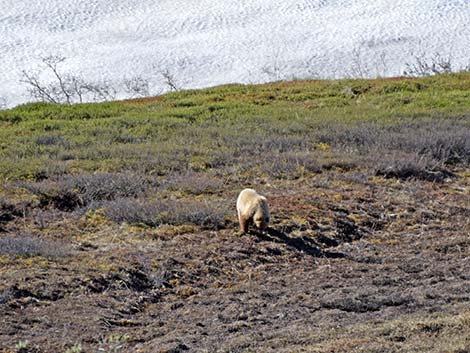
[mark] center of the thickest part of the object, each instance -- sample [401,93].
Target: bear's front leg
[243,224]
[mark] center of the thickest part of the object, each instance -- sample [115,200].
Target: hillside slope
[118,229]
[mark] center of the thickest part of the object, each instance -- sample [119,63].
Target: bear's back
[247,199]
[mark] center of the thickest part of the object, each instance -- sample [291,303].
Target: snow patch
[210,42]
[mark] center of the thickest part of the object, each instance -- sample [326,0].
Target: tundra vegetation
[118,220]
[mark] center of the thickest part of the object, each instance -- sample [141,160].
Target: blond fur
[252,208]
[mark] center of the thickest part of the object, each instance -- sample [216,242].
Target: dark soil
[349,264]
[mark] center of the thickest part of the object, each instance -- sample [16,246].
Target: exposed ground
[118,227]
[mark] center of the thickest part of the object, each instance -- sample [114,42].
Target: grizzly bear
[252,208]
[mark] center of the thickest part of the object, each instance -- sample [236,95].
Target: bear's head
[261,217]
[261,222]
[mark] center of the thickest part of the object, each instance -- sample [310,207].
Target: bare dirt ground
[349,264]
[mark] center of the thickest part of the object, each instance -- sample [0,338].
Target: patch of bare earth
[350,264]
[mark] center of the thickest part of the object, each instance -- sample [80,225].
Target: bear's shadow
[304,244]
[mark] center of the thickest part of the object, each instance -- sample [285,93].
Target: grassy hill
[118,228]
[218,126]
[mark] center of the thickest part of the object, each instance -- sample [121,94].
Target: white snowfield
[210,42]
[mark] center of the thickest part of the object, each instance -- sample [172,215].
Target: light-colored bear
[252,208]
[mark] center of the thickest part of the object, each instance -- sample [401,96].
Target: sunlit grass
[201,129]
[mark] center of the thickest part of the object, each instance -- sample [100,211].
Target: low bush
[107,186]
[8,212]
[290,165]
[28,246]
[193,183]
[154,213]
[51,140]
[73,191]
[411,166]
[446,141]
